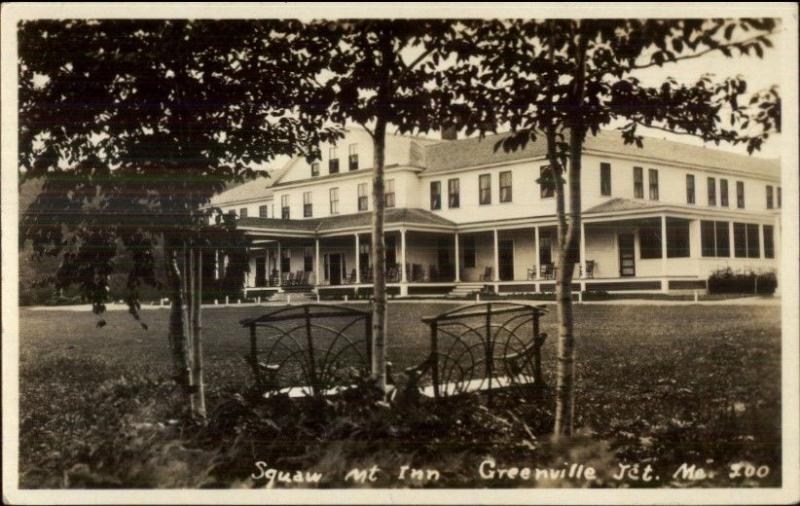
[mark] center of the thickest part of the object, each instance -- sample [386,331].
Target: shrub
[728,281]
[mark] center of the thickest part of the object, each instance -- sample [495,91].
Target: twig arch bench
[480,348]
[309,350]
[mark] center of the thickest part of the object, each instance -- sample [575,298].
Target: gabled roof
[475,152]
[259,188]
[344,221]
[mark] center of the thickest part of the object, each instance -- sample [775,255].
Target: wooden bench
[309,350]
[480,348]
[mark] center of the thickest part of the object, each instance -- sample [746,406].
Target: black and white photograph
[400,253]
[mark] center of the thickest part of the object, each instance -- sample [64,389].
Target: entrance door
[627,255]
[261,272]
[335,267]
[506,260]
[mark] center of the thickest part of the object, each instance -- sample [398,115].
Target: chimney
[449,133]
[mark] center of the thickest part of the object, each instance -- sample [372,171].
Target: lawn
[658,385]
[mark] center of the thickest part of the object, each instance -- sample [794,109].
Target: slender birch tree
[565,79]
[132,125]
[382,76]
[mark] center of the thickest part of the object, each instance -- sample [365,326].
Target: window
[363,199]
[739,240]
[243,212]
[391,251]
[770,202]
[714,239]
[389,193]
[333,160]
[453,193]
[485,189]
[689,189]
[286,260]
[779,198]
[652,180]
[740,194]
[352,157]
[505,186]
[262,211]
[723,192]
[547,185]
[436,195]
[605,179]
[308,259]
[769,242]
[650,239]
[753,241]
[712,191]
[470,253]
[315,169]
[746,242]
[285,207]
[308,210]
[677,238]
[638,183]
[334,198]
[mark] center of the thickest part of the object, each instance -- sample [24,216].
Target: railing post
[312,361]
[435,357]
[488,350]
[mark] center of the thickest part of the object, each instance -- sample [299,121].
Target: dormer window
[333,161]
[352,157]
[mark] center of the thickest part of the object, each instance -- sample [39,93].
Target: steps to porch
[463,290]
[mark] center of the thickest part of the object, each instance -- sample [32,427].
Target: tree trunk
[378,259]
[568,243]
[177,331]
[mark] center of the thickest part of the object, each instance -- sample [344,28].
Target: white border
[789,493]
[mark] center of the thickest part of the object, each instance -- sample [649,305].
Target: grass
[656,384]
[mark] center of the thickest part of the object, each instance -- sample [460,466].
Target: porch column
[496,272]
[279,261]
[217,265]
[761,241]
[403,275]
[536,259]
[664,282]
[583,249]
[317,276]
[458,260]
[358,262]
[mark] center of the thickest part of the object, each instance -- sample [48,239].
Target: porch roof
[313,226]
[620,204]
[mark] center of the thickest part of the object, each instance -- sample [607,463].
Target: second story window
[547,186]
[352,156]
[723,192]
[333,160]
[638,183]
[436,195]
[315,168]
[243,212]
[779,198]
[363,199]
[285,207]
[770,203]
[689,189]
[389,193]
[485,189]
[652,179]
[334,195]
[308,210]
[712,191]
[505,186]
[453,193]
[605,179]
[262,211]
[740,194]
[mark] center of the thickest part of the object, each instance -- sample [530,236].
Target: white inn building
[461,216]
